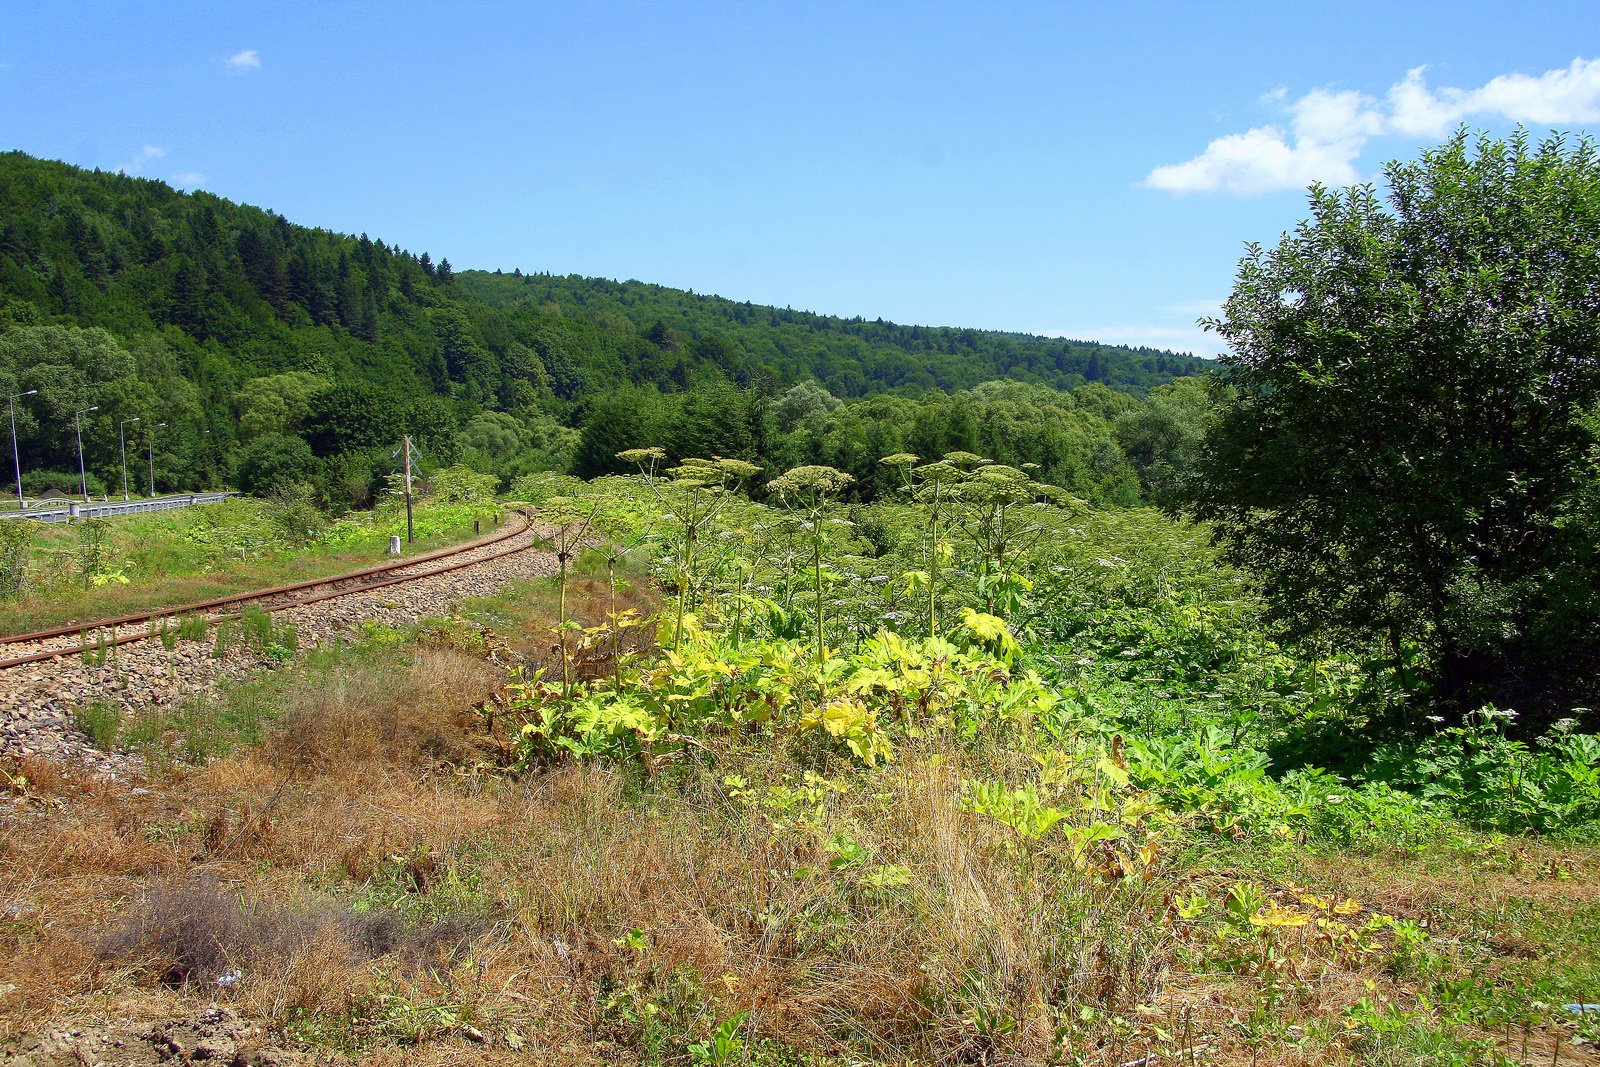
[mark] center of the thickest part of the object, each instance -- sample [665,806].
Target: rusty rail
[261,594]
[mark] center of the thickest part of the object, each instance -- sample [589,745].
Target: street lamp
[16,461]
[122,440]
[151,443]
[77,425]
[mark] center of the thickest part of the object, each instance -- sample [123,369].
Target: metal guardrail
[109,509]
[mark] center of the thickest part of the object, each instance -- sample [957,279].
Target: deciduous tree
[1406,446]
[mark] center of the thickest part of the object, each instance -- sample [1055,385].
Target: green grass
[238,715]
[1502,929]
[164,567]
[101,720]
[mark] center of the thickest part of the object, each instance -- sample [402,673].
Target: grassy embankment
[124,565]
[685,871]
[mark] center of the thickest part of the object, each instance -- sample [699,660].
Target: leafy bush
[1494,782]
[93,554]
[237,527]
[16,539]
[463,486]
[296,518]
[540,486]
[67,483]
[275,462]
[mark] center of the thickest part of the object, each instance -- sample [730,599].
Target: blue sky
[1087,170]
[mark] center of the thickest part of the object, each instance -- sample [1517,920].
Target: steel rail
[262,594]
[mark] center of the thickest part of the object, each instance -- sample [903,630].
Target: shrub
[463,485]
[275,461]
[296,518]
[94,550]
[16,539]
[100,720]
[38,483]
[1493,782]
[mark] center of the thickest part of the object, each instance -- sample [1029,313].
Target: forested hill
[851,357]
[243,292]
[268,354]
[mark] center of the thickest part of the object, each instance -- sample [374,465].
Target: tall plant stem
[561,630]
[933,568]
[816,573]
[616,634]
[683,588]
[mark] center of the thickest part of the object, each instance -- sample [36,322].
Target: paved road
[115,507]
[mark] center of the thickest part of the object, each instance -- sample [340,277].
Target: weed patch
[100,721]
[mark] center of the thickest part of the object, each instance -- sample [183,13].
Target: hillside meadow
[977,774]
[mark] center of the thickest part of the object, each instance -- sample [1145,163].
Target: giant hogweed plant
[932,487]
[710,691]
[571,520]
[808,494]
[993,507]
[997,511]
[691,495]
[1496,782]
[1146,632]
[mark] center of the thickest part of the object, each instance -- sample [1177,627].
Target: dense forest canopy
[280,355]
[850,357]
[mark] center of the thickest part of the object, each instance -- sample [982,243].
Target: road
[111,509]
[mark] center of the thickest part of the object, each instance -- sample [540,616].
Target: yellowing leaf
[1274,916]
[983,626]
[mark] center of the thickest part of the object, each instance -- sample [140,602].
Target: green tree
[1405,450]
[275,462]
[1163,437]
[617,422]
[353,416]
[276,403]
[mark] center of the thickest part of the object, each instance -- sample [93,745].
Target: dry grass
[385,893]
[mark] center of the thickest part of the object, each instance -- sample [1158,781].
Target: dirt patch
[213,1036]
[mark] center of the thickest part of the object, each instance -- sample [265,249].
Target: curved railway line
[18,650]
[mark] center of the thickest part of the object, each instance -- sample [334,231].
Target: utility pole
[122,442]
[151,443]
[16,461]
[77,426]
[411,533]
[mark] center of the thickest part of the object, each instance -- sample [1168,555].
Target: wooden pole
[411,533]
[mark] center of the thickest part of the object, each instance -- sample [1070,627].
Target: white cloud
[1569,94]
[244,62]
[1415,110]
[1257,161]
[1330,118]
[187,179]
[1328,130]
[146,156]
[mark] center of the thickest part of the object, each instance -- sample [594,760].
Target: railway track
[18,650]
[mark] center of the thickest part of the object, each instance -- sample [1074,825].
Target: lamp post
[16,460]
[77,426]
[122,441]
[151,444]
